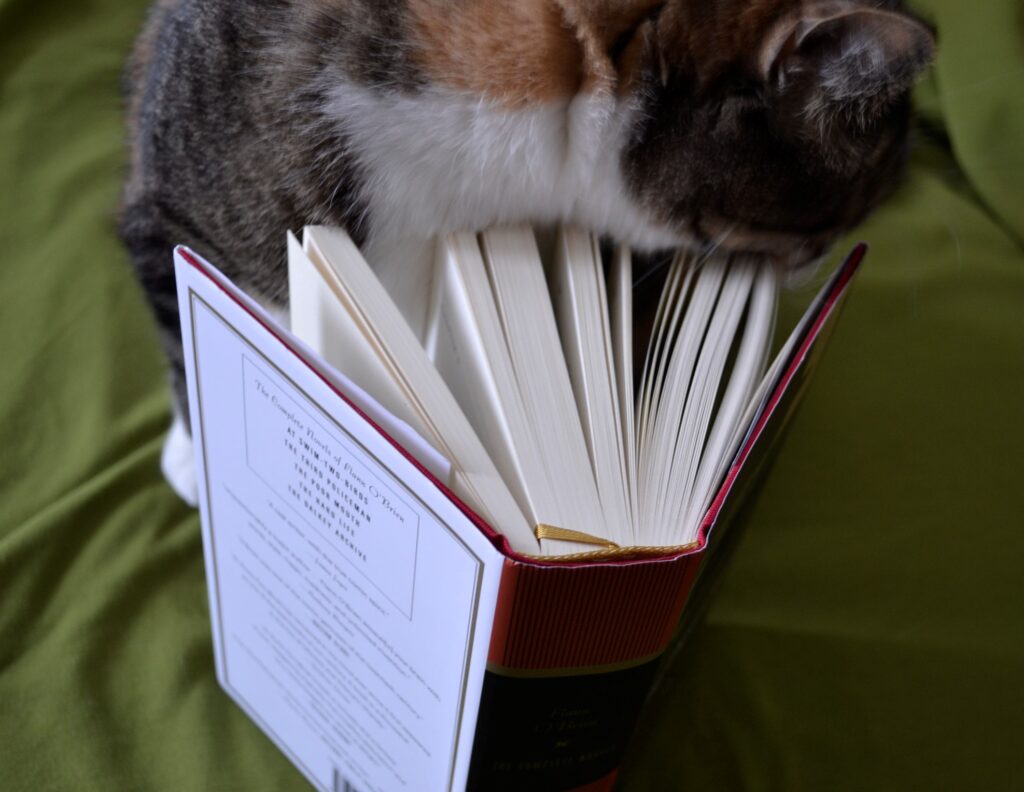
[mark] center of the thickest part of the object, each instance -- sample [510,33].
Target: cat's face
[766,125]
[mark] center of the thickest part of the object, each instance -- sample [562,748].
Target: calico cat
[766,126]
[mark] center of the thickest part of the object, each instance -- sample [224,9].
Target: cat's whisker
[663,263]
[716,243]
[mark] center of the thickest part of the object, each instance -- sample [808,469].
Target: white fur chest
[439,161]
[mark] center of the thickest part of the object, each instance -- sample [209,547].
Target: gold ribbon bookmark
[544,531]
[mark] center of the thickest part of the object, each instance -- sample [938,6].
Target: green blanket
[868,632]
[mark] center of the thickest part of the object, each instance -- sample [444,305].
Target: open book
[364,610]
[519,370]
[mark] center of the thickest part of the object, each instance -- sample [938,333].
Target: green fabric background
[868,632]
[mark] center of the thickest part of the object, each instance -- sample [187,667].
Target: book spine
[574,651]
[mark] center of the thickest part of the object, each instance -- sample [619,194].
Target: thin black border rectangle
[404,610]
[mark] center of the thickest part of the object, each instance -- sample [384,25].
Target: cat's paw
[178,463]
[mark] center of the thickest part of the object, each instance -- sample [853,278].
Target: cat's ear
[849,67]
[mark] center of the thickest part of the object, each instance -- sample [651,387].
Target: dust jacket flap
[351,600]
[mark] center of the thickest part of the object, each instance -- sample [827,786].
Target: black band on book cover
[548,733]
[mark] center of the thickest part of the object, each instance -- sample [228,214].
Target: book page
[475,478]
[580,300]
[471,354]
[701,374]
[318,321]
[330,559]
[677,339]
[743,381]
[620,295]
[703,393]
[405,268]
[527,318]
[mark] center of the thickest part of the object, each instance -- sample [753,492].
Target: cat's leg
[150,238]
[178,462]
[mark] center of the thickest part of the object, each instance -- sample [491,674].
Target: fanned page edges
[821,314]
[575,420]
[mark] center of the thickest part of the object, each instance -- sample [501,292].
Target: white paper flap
[351,601]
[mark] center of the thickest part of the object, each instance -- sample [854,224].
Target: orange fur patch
[522,52]
[516,53]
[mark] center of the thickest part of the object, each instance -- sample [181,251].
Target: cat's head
[764,125]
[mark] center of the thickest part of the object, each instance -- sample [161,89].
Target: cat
[762,126]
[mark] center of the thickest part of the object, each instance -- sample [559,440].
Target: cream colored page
[523,302]
[404,268]
[700,401]
[471,312]
[581,309]
[320,321]
[668,397]
[475,477]
[468,352]
[314,310]
[669,313]
[747,369]
[621,314]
